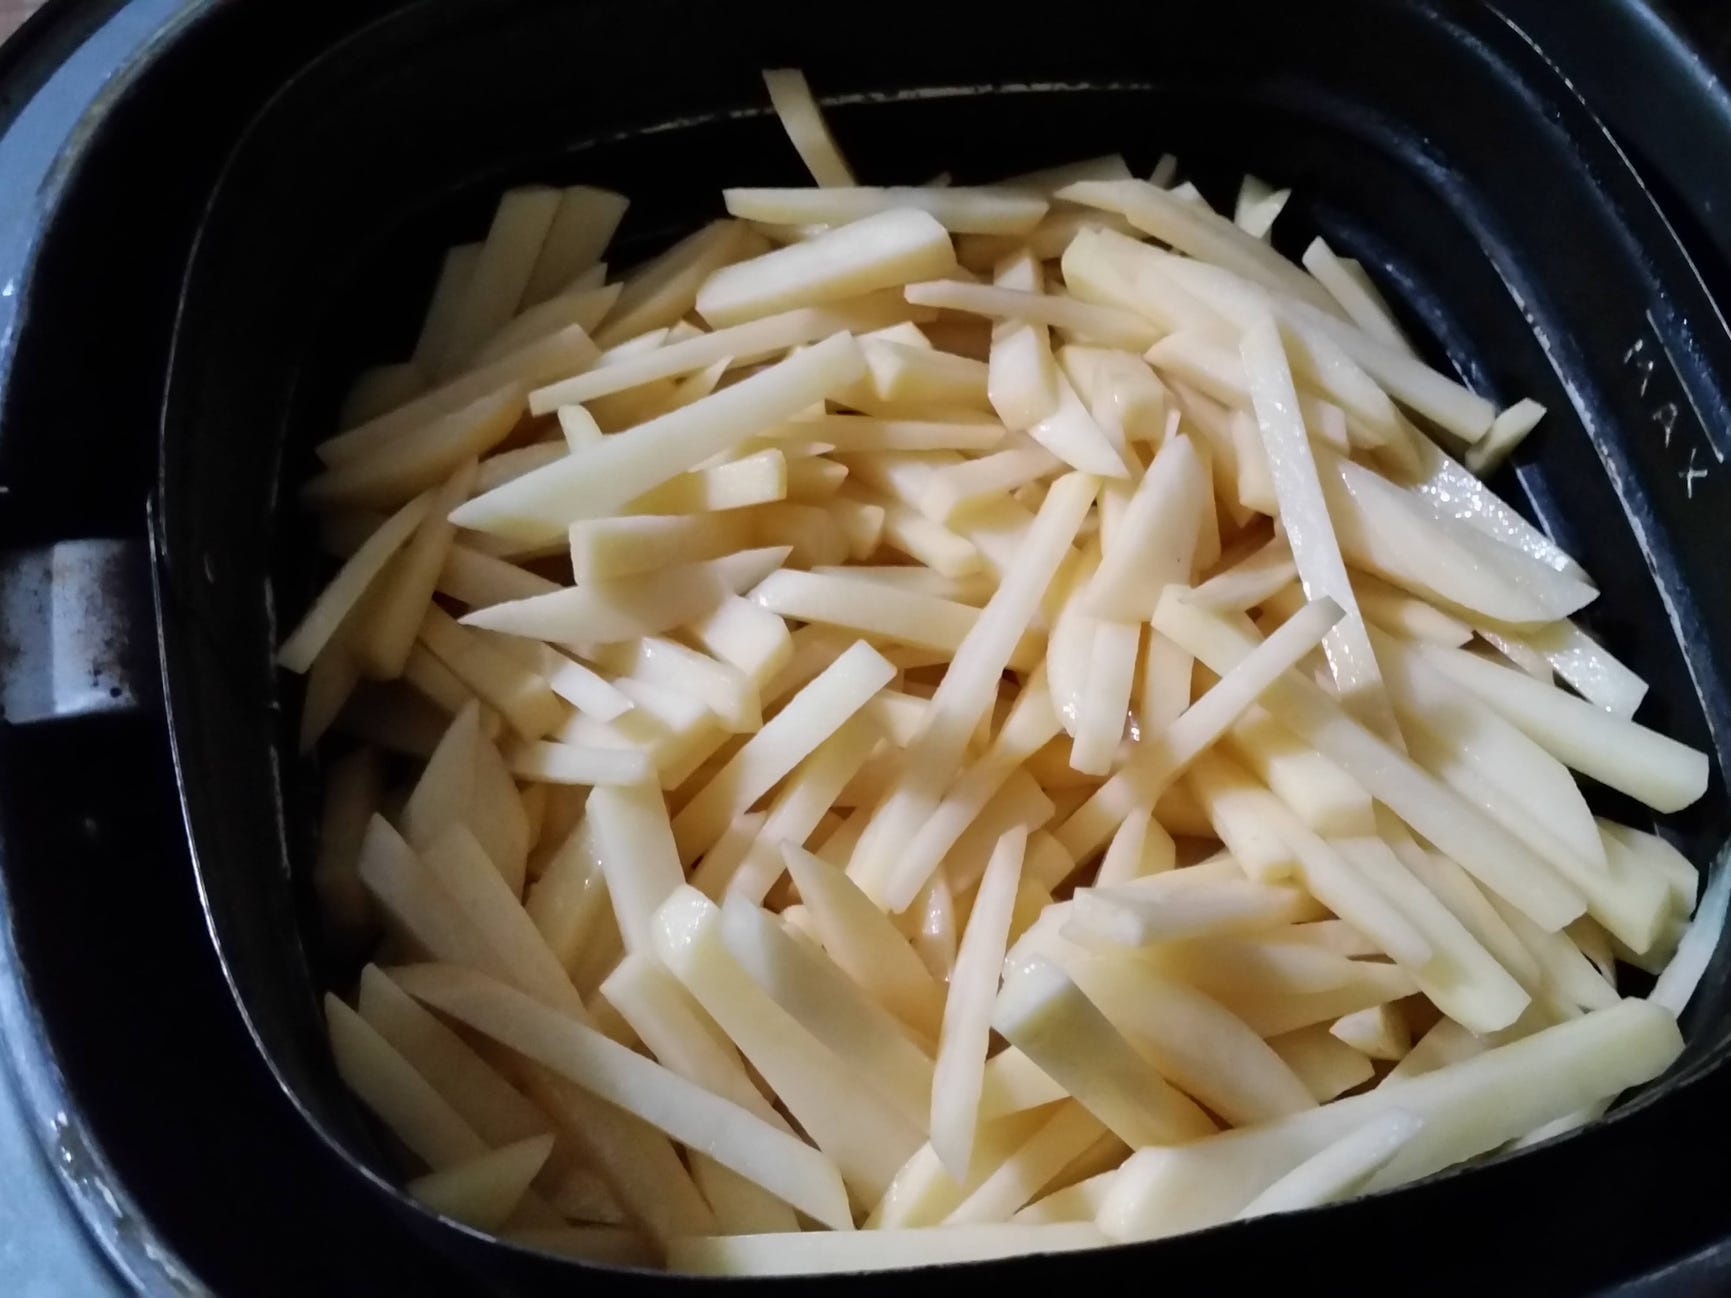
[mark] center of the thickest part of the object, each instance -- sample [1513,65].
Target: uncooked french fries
[942,722]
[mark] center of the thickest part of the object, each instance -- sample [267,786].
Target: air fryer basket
[1431,140]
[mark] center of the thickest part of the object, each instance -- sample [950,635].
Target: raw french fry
[1104,325]
[591,482]
[331,680]
[1190,1039]
[1361,305]
[403,1100]
[1664,774]
[803,121]
[1507,431]
[581,228]
[863,941]
[484,1190]
[1046,1016]
[1398,536]
[455,271]
[1319,792]
[1327,1065]
[1480,845]
[499,1113]
[414,900]
[1467,1109]
[817,711]
[959,1076]
[521,696]
[664,290]
[833,1009]
[954,208]
[895,246]
[584,308]
[1163,757]
[1062,1137]
[732,1136]
[1339,1171]
[480,580]
[1378,1032]
[347,588]
[608,612]
[866,1139]
[1304,514]
[1155,544]
[501,272]
[422,427]
[736,345]
[816,1254]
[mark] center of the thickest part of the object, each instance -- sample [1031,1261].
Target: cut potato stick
[1323,796]
[608,612]
[1479,844]
[1361,305]
[880,1250]
[955,208]
[862,940]
[393,610]
[1379,1032]
[521,696]
[662,291]
[1468,1108]
[351,583]
[1061,1138]
[1399,536]
[479,580]
[959,1076]
[739,344]
[1339,1171]
[1659,771]
[829,1006]
[1155,543]
[811,716]
[866,1139]
[632,838]
[802,119]
[498,383]
[1328,1066]
[1191,1039]
[1107,326]
[1305,518]
[681,1035]
[732,1136]
[497,1111]
[591,482]
[441,318]
[493,288]
[582,227]
[754,479]
[1046,1016]
[401,1098]
[483,1191]
[895,246]
[1161,758]
[584,308]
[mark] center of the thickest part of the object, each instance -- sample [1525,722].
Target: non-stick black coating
[1428,140]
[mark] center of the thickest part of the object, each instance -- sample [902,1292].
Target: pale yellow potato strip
[740,344]
[483,1191]
[697,1118]
[864,1136]
[339,597]
[959,1077]
[597,480]
[1106,325]
[802,119]
[881,1250]
[824,1001]
[958,209]
[1494,856]
[501,272]
[1468,1108]
[810,717]
[886,250]
[1159,759]
[403,1100]
[582,226]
